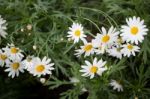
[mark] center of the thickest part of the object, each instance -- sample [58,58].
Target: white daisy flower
[106,38]
[3,27]
[28,62]
[3,58]
[14,67]
[97,67]
[41,67]
[115,52]
[13,52]
[87,48]
[116,85]
[129,49]
[76,32]
[134,31]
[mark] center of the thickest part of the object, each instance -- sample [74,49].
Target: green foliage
[50,20]
[54,83]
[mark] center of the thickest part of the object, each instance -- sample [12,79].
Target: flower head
[97,67]
[87,48]
[14,67]
[41,67]
[3,27]
[129,49]
[3,58]
[115,52]
[76,32]
[28,62]
[116,85]
[13,52]
[74,80]
[107,37]
[134,31]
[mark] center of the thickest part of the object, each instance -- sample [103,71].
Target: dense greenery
[50,20]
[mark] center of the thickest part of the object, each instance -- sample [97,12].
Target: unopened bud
[62,39]
[69,39]
[22,30]
[136,97]
[29,27]
[42,80]
[29,34]
[34,47]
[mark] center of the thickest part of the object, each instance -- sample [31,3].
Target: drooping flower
[74,80]
[28,62]
[115,52]
[116,85]
[3,27]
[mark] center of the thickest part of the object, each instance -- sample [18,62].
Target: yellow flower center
[40,68]
[15,65]
[130,47]
[77,33]
[94,69]
[14,50]
[3,57]
[88,47]
[105,38]
[134,30]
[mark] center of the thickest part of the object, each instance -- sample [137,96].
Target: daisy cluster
[15,61]
[115,42]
